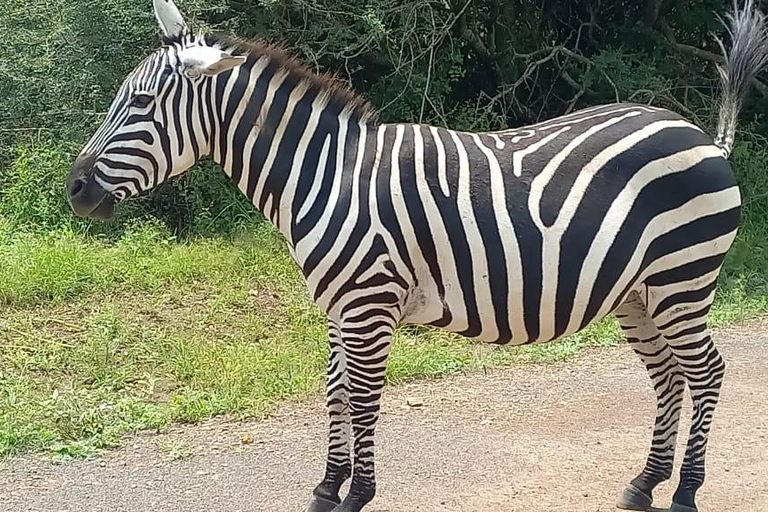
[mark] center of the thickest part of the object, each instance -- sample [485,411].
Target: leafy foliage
[472,65]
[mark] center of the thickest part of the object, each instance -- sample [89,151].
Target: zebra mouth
[105,210]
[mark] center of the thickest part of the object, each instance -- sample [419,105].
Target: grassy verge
[98,339]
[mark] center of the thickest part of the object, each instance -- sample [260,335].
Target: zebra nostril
[76,187]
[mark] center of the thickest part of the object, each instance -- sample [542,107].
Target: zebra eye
[141,100]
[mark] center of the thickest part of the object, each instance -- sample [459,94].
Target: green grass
[177,450]
[98,339]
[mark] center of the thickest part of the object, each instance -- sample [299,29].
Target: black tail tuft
[748,56]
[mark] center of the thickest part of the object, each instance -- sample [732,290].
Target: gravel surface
[561,437]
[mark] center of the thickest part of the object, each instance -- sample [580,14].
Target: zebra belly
[472,312]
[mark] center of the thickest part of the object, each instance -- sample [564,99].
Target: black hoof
[676,507]
[634,499]
[319,504]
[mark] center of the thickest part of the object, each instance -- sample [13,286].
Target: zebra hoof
[634,499]
[319,504]
[676,507]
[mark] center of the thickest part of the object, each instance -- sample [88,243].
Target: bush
[32,198]
[470,65]
[32,188]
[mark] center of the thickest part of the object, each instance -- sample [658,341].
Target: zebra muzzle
[86,197]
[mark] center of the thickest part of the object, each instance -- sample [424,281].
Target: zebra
[512,237]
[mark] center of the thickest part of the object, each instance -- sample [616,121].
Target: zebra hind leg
[669,384]
[679,311]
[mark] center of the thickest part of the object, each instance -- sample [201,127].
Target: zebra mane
[337,91]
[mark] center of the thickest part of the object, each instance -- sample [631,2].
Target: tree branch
[476,44]
[650,12]
[669,36]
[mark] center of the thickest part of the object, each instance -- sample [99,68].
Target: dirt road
[562,437]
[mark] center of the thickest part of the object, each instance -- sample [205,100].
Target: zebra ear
[197,61]
[171,21]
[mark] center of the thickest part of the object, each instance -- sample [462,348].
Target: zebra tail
[747,57]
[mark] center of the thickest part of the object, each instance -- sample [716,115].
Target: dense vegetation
[170,312]
[472,64]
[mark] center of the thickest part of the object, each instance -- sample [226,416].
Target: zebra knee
[718,368]
[672,384]
[707,377]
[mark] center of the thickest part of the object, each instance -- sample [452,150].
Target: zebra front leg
[669,384]
[339,464]
[367,347]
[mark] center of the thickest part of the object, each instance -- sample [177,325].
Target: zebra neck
[284,146]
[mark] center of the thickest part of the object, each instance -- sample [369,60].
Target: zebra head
[158,125]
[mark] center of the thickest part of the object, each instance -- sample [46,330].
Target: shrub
[471,65]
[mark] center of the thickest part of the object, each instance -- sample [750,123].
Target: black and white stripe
[519,236]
